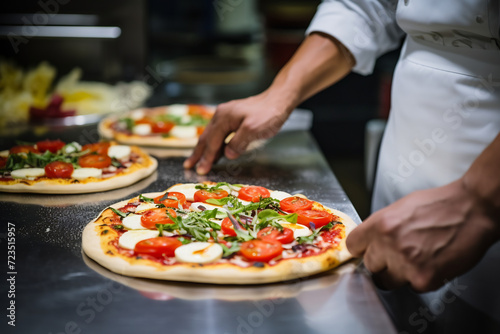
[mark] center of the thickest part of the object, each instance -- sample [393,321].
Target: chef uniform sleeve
[367,28]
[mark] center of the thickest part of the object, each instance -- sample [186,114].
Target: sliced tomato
[100,148]
[227,227]
[159,246]
[295,203]
[161,127]
[202,195]
[319,218]
[260,250]
[273,234]
[200,110]
[95,161]
[157,216]
[23,149]
[50,145]
[171,199]
[253,193]
[59,169]
[3,162]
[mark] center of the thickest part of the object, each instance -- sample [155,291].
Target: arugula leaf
[235,247]
[184,240]
[14,161]
[309,239]
[119,213]
[221,202]
[129,123]
[146,199]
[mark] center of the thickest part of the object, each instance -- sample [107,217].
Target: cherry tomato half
[200,110]
[157,216]
[260,250]
[158,246]
[171,199]
[161,127]
[319,218]
[59,169]
[23,149]
[95,161]
[101,148]
[227,227]
[50,145]
[292,204]
[273,234]
[202,195]
[253,193]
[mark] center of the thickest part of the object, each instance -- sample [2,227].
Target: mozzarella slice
[83,173]
[4,153]
[298,230]
[196,208]
[129,239]
[133,222]
[244,202]
[280,195]
[142,129]
[198,252]
[186,119]
[119,151]
[178,109]
[137,114]
[145,206]
[184,131]
[187,190]
[25,173]
[72,147]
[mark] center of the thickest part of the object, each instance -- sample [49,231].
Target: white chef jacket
[445,105]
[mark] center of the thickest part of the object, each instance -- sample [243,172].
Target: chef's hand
[256,117]
[425,238]
[319,62]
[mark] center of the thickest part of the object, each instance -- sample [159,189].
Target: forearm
[319,62]
[483,179]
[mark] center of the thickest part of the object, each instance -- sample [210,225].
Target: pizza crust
[106,131]
[61,186]
[223,273]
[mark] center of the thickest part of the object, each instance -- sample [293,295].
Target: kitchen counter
[59,290]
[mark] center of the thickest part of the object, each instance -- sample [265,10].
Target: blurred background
[156,52]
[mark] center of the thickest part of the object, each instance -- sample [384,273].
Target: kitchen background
[189,51]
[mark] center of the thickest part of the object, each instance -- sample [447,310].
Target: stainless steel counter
[60,290]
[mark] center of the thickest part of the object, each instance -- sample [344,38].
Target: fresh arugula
[119,213]
[143,198]
[309,239]
[235,247]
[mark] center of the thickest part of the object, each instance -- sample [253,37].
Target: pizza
[177,125]
[56,167]
[218,233]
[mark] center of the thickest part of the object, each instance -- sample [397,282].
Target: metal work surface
[60,290]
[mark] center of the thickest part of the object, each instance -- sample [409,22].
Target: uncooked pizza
[177,125]
[218,233]
[56,167]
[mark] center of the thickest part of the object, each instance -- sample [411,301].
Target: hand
[256,117]
[425,238]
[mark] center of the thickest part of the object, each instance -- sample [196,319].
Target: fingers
[239,142]
[359,239]
[209,147]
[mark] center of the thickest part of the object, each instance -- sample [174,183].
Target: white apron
[445,96]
